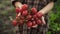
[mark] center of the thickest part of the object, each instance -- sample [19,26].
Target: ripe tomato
[29,17]
[34,23]
[39,15]
[35,16]
[25,6]
[14,22]
[34,10]
[17,10]
[29,24]
[24,13]
[38,22]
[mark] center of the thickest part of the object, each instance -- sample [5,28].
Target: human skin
[44,10]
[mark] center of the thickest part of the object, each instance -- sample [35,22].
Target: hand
[40,15]
[37,16]
[21,9]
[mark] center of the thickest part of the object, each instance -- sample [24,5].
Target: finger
[35,26]
[19,14]
[43,20]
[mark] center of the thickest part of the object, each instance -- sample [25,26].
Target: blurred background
[7,12]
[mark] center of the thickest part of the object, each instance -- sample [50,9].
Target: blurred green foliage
[54,18]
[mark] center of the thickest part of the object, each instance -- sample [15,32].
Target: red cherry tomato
[29,17]
[38,22]
[25,6]
[39,15]
[24,13]
[19,10]
[29,24]
[34,10]
[34,16]
[32,19]
[14,22]
[34,23]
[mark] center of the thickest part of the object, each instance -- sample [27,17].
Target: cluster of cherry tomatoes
[31,17]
